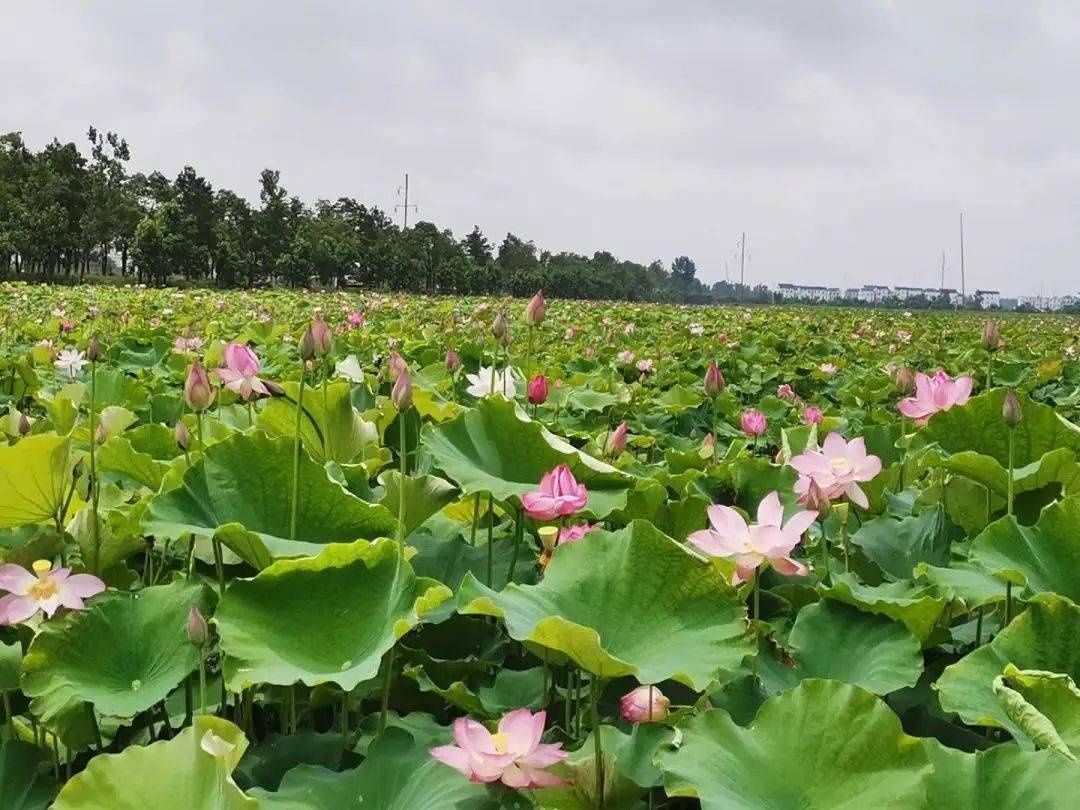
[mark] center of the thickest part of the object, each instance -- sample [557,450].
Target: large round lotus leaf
[496,448]
[1058,466]
[341,433]
[917,607]
[324,618]
[822,745]
[1044,637]
[833,640]
[176,773]
[897,546]
[35,475]
[632,602]
[1002,778]
[423,496]
[21,786]
[240,490]
[123,654]
[1044,557]
[1046,705]
[978,426]
[398,774]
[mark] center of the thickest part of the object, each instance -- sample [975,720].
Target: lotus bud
[536,309]
[1010,409]
[714,381]
[324,338]
[307,345]
[905,381]
[198,393]
[753,423]
[538,390]
[24,424]
[198,631]
[101,435]
[991,338]
[182,436]
[498,326]
[274,388]
[708,444]
[401,394]
[549,537]
[396,365]
[812,415]
[616,440]
[93,351]
[77,470]
[453,362]
[646,704]
[817,500]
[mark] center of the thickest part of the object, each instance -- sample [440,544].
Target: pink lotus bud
[198,631]
[401,395]
[616,440]
[93,351]
[1010,409]
[753,423]
[812,415]
[453,362]
[498,326]
[991,338]
[24,424]
[396,365]
[646,704]
[785,391]
[306,347]
[324,338]
[101,435]
[714,381]
[708,443]
[905,381]
[198,393]
[182,436]
[538,390]
[536,309]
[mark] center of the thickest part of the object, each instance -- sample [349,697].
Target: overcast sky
[844,137]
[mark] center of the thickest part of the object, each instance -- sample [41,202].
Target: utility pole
[742,266]
[406,206]
[963,287]
[942,287]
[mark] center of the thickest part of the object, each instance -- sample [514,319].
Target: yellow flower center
[839,463]
[501,741]
[44,588]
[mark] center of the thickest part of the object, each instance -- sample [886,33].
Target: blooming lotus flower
[812,415]
[646,704]
[536,309]
[615,443]
[837,468]
[646,366]
[355,319]
[240,373]
[538,390]
[753,423]
[514,755]
[934,394]
[71,362]
[771,540]
[625,357]
[785,391]
[559,495]
[490,381]
[187,343]
[828,368]
[45,590]
[571,534]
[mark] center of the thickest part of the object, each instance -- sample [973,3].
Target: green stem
[202,681]
[219,565]
[1009,497]
[9,717]
[490,544]
[401,487]
[824,555]
[345,721]
[989,370]
[326,412]
[519,536]
[757,595]
[386,689]
[475,519]
[844,545]
[1008,603]
[95,529]
[566,704]
[297,445]
[978,627]
[598,746]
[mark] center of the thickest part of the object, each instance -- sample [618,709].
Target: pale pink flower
[559,495]
[45,590]
[935,394]
[571,534]
[828,368]
[646,366]
[625,357]
[514,755]
[837,468]
[769,541]
[355,319]
[785,391]
[646,704]
[615,443]
[241,370]
[753,423]
[187,343]
[812,415]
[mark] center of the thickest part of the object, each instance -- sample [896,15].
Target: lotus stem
[9,718]
[566,704]
[297,444]
[598,745]
[978,626]
[757,604]
[490,545]
[202,681]
[401,488]
[219,565]
[95,529]
[1009,496]
[519,536]
[326,412]
[345,721]
[1008,602]
[475,519]
[386,689]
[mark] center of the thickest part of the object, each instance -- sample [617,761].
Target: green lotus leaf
[119,457]
[176,773]
[122,654]
[241,486]
[398,774]
[1058,466]
[1042,638]
[917,607]
[324,618]
[35,475]
[897,546]
[632,602]
[510,689]
[833,640]
[11,656]
[1003,778]
[343,433]
[1044,557]
[978,426]
[22,786]
[495,448]
[423,495]
[1046,705]
[266,763]
[972,586]
[822,745]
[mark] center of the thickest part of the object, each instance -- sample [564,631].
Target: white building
[805,292]
[988,299]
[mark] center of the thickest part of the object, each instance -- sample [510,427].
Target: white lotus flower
[350,369]
[491,380]
[72,362]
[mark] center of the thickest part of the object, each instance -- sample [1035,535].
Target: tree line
[66,215]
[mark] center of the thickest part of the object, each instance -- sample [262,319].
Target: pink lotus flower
[559,495]
[785,391]
[714,381]
[453,362]
[48,591]
[536,309]
[812,415]
[538,390]
[355,319]
[240,372]
[198,393]
[625,357]
[828,368]
[615,443]
[753,423]
[770,541]
[571,534]
[396,365]
[646,366]
[934,394]
[646,704]
[837,468]
[514,755]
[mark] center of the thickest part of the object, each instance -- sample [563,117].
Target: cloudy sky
[845,138]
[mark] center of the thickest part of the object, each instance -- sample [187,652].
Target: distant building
[804,292]
[988,299]
[869,293]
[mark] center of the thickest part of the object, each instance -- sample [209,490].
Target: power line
[405,207]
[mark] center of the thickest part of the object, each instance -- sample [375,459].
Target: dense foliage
[266,549]
[65,215]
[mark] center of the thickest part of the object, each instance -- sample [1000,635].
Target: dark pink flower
[559,495]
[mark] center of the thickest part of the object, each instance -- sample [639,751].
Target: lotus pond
[359,550]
